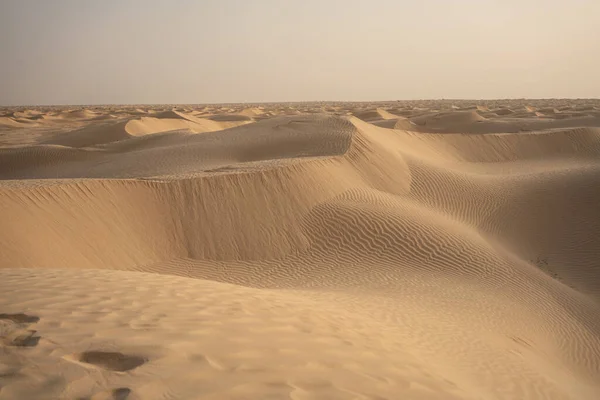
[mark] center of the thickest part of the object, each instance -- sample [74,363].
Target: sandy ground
[399,250]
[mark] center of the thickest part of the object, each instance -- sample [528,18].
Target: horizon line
[296,102]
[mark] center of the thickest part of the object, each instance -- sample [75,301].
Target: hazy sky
[205,51]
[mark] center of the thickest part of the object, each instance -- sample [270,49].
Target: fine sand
[399,250]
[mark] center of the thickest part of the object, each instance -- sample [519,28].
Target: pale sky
[215,51]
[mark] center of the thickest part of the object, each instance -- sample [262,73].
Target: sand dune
[173,120]
[374,115]
[483,122]
[281,251]
[449,120]
[385,119]
[9,122]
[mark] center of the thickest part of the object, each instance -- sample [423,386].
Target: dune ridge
[366,251]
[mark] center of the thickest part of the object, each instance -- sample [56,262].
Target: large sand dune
[420,250]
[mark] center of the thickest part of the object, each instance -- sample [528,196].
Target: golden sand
[424,250]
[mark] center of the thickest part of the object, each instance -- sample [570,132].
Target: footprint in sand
[114,394]
[25,339]
[112,361]
[15,335]
[20,318]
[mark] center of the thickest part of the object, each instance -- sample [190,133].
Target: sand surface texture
[399,250]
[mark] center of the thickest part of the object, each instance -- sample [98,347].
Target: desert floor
[393,250]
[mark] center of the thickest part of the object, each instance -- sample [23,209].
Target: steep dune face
[358,257]
[263,166]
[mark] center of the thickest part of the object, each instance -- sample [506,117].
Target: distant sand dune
[449,119]
[394,252]
[481,122]
[173,120]
[376,114]
[91,135]
[16,122]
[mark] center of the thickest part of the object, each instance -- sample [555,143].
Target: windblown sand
[400,250]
